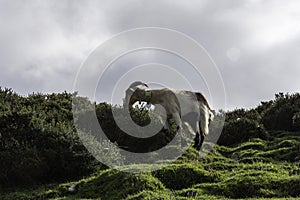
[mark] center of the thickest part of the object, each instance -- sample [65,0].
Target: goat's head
[131,95]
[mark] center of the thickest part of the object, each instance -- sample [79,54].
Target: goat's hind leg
[195,127]
[201,134]
[201,140]
[197,141]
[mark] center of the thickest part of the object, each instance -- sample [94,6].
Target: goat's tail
[206,114]
[204,118]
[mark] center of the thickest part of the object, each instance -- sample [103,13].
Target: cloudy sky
[255,44]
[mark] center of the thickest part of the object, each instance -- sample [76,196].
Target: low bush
[241,130]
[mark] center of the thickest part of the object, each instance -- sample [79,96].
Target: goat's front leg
[178,122]
[163,118]
[166,125]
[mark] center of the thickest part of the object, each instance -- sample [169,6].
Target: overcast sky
[254,43]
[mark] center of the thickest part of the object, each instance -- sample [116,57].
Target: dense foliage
[283,114]
[257,153]
[38,142]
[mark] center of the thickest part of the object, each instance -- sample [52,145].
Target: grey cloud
[43,43]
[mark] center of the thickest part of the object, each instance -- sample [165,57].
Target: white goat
[186,106]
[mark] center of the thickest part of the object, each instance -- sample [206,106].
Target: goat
[187,106]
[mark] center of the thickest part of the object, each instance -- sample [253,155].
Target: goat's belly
[190,117]
[187,106]
[188,110]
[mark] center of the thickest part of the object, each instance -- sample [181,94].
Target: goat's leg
[197,140]
[201,140]
[166,125]
[196,129]
[178,122]
[198,143]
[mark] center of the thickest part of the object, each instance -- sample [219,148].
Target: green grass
[256,169]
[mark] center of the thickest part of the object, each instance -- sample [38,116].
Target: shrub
[283,113]
[241,130]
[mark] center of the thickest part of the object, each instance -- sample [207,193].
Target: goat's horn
[137,83]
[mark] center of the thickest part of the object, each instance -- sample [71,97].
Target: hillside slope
[257,168]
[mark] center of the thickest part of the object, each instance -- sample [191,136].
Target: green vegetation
[42,157]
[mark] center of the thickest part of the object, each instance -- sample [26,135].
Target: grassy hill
[253,169]
[42,158]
